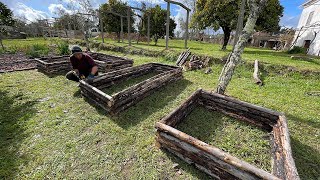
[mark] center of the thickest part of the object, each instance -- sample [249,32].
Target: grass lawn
[250,54]
[47,130]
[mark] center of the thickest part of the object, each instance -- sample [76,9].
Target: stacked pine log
[196,62]
[108,63]
[122,100]
[183,57]
[213,160]
[54,65]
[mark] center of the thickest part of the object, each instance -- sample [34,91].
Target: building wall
[308,33]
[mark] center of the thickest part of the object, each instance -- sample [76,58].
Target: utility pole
[168,22]
[129,25]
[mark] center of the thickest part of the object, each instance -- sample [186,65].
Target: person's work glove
[82,77]
[90,76]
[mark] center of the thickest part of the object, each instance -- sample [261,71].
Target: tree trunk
[235,57]
[118,37]
[226,37]
[1,42]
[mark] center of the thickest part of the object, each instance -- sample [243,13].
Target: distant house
[308,30]
[278,41]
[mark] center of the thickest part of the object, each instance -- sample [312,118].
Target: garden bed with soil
[217,162]
[140,81]
[16,62]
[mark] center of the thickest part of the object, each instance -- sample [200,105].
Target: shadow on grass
[15,112]
[307,160]
[143,109]
[309,122]
[53,75]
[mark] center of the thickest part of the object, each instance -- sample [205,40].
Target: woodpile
[54,65]
[108,63]
[183,57]
[122,100]
[256,77]
[196,62]
[214,161]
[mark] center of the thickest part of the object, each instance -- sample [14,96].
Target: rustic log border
[120,101]
[108,63]
[216,162]
[60,65]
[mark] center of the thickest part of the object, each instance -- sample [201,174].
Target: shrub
[297,50]
[63,48]
[38,50]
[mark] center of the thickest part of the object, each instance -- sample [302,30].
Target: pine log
[283,163]
[256,73]
[225,161]
[176,116]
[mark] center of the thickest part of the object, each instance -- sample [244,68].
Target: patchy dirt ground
[15,62]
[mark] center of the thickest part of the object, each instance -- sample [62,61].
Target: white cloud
[58,9]
[29,13]
[290,21]
[181,14]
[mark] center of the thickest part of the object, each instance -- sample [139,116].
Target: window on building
[310,18]
[307,44]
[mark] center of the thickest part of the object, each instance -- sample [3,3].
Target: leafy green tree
[224,14]
[111,22]
[6,19]
[158,19]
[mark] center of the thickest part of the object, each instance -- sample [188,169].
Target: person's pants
[71,75]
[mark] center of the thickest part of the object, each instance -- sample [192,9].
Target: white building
[308,30]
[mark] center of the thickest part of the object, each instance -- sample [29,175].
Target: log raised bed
[108,63]
[213,160]
[54,65]
[115,103]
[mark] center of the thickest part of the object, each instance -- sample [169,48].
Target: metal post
[121,32]
[101,26]
[240,23]
[148,33]
[129,26]
[187,31]
[168,22]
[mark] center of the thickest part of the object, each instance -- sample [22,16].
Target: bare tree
[235,57]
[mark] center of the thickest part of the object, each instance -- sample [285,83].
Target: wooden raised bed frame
[54,65]
[108,63]
[61,64]
[216,162]
[121,100]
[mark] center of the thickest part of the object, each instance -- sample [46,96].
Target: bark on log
[283,163]
[256,73]
[230,164]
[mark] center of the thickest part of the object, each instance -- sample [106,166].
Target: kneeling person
[83,66]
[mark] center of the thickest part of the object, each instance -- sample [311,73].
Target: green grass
[47,130]
[250,54]
[246,142]
[127,83]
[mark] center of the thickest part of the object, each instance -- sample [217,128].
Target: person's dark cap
[76,49]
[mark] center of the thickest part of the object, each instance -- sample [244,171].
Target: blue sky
[40,9]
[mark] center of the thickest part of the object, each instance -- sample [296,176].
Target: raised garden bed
[15,62]
[108,63]
[119,101]
[54,65]
[213,160]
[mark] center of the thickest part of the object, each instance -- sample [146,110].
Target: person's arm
[74,67]
[93,64]
[94,70]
